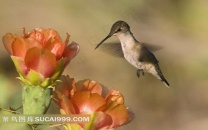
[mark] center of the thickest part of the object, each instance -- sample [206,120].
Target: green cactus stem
[35,99]
[12,126]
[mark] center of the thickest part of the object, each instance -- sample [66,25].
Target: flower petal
[55,47]
[19,47]
[90,85]
[67,105]
[7,40]
[70,52]
[20,65]
[67,86]
[64,103]
[42,61]
[113,99]
[44,34]
[119,115]
[100,120]
[87,102]
[30,43]
[113,94]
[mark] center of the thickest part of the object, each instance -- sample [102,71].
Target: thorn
[18,108]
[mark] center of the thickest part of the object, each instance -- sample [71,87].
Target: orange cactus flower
[88,97]
[40,56]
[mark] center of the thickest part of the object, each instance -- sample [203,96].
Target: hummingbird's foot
[140,71]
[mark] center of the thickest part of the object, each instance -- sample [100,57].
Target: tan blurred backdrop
[180,27]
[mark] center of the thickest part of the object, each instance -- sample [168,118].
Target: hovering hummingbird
[135,52]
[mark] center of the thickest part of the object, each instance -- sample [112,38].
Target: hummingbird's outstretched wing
[151,47]
[114,48]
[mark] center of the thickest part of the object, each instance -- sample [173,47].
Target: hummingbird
[135,52]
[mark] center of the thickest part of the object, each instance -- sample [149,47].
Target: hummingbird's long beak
[103,41]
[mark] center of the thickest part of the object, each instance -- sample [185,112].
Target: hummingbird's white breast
[130,48]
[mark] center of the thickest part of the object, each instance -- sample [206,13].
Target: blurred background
[180,27]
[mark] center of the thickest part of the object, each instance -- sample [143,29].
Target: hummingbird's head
[117,28]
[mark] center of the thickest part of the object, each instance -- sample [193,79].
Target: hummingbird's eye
[118,30]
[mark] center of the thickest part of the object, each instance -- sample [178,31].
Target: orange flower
[40,56]
[88,97]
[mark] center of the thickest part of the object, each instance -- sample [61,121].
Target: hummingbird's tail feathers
[165,81]
[160,76]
